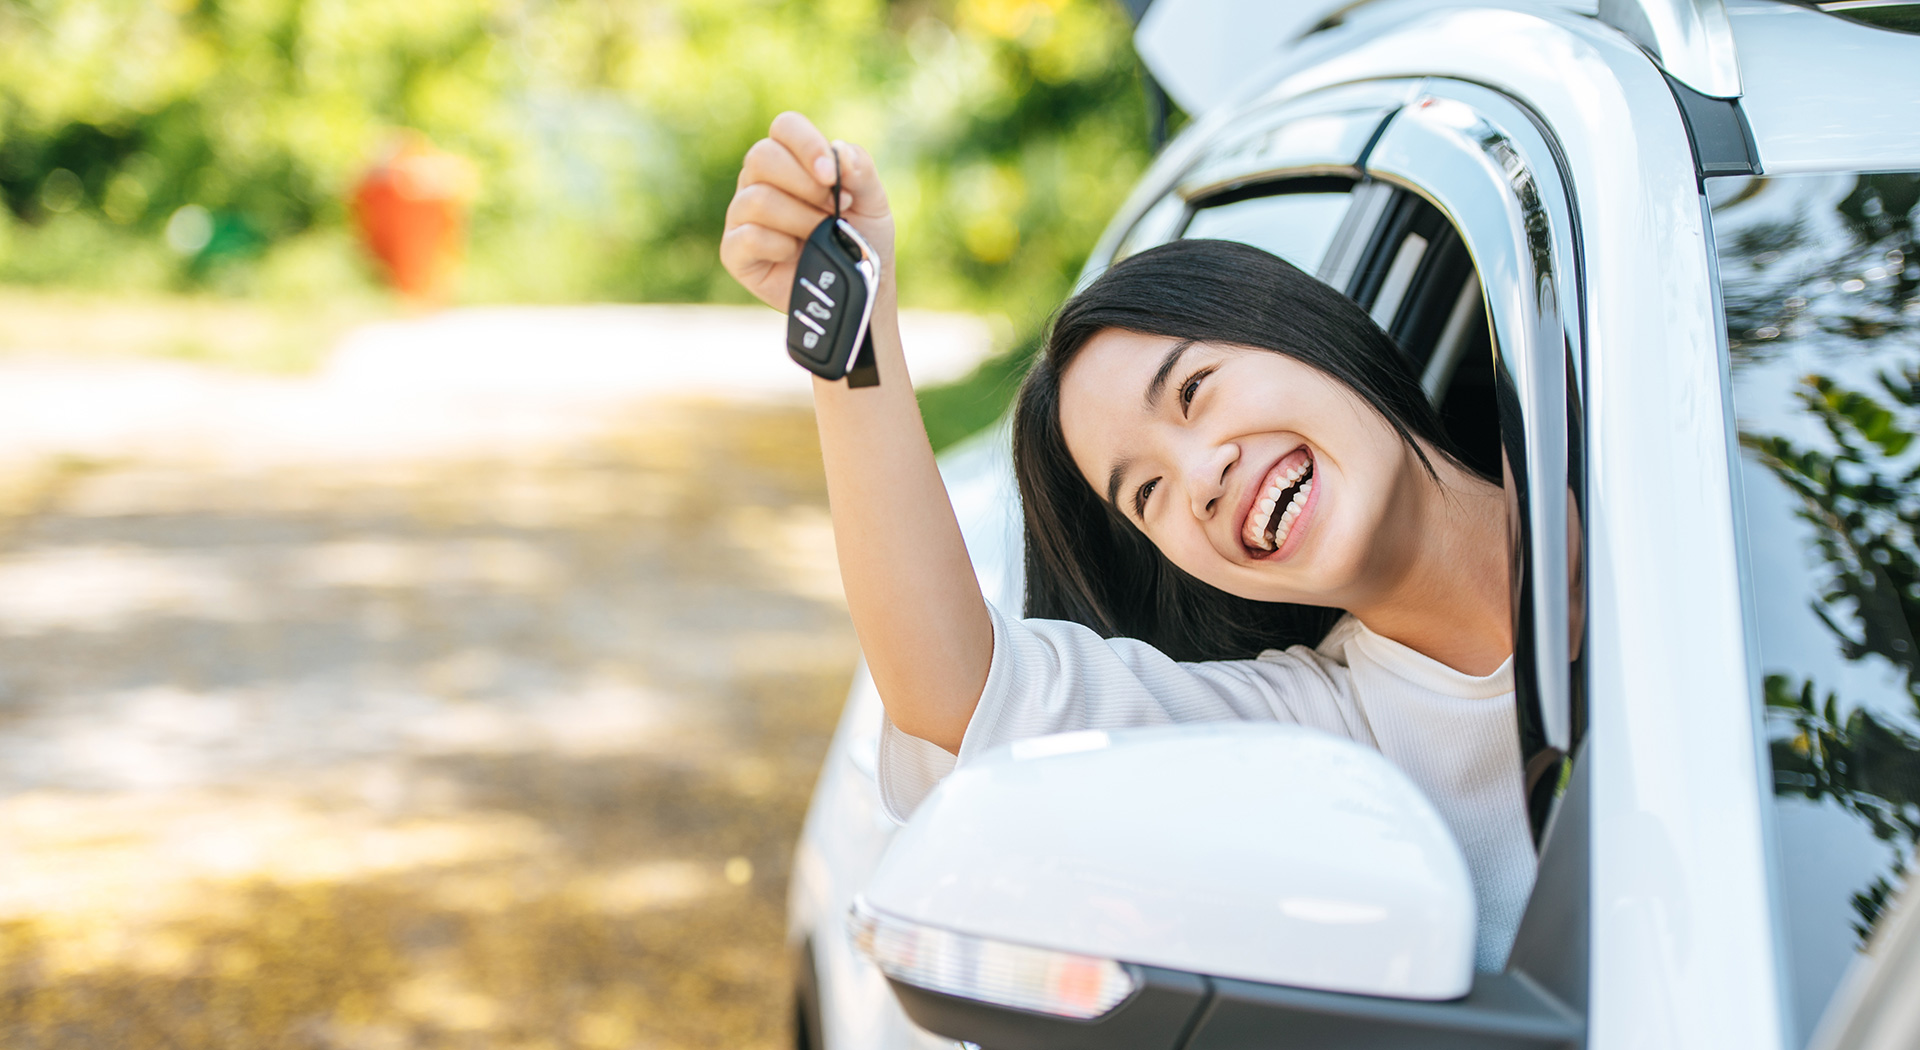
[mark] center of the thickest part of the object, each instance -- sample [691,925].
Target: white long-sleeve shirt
[1455,735]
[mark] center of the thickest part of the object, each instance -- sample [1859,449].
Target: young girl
[1217,457]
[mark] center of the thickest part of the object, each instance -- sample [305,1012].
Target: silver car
[1662,260]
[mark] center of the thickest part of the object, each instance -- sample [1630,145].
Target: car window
[1157,225]
[1298,227]
[1819,276]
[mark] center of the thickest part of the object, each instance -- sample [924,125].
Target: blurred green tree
[210,144]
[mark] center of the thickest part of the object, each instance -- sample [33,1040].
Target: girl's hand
[785,189]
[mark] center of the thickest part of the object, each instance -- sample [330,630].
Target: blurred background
[418,617]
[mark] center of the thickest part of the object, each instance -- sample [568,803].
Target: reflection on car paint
[1819,278]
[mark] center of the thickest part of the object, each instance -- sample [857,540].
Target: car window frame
[1486,164]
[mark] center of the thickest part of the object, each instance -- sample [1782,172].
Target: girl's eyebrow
[1167,365]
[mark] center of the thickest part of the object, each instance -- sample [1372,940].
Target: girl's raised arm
[910,588]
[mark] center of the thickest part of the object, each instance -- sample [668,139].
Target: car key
[830,310]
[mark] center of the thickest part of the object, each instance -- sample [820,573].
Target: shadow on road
[491,751]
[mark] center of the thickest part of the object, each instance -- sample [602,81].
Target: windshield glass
[1819,277]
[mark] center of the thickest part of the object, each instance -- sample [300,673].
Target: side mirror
[1100,889]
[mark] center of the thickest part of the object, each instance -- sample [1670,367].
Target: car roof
[1820,92]
[1826,94]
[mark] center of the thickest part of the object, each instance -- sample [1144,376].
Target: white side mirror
[1262,853]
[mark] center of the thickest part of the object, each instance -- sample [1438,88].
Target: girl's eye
[1140,498]
[1192,389]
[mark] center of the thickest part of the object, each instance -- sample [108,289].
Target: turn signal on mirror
[1013,975]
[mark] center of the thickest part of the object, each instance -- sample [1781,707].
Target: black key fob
[831,306]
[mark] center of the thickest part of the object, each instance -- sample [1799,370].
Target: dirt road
[503,746]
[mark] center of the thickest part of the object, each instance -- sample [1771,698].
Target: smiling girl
[1239,505]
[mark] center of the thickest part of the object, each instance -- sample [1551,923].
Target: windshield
[1819,276]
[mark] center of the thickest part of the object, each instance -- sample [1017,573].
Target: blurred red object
[412,208]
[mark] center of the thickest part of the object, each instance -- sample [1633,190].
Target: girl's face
[1249,470]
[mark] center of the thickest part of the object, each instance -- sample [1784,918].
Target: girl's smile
[1278,507]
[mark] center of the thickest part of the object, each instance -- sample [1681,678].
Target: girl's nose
[1209,484]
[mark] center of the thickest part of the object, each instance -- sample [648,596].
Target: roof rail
[1690,39]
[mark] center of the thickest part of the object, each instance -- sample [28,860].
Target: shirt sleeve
[1055,676]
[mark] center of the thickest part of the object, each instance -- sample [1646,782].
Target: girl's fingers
[763,204]
[798,134]
[772,163]
[814,155]
[862,180]
[748,247]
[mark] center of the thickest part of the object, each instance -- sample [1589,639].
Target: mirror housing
[1259,852]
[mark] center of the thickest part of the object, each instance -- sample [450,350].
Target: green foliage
[607,135]
[1865,515]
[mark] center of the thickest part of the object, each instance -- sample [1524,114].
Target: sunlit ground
[502,746]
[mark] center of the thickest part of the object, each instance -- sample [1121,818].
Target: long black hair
[1086,561]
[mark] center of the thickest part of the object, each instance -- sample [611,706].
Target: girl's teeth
[1269,500]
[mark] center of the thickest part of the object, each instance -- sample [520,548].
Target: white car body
[1686,947]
